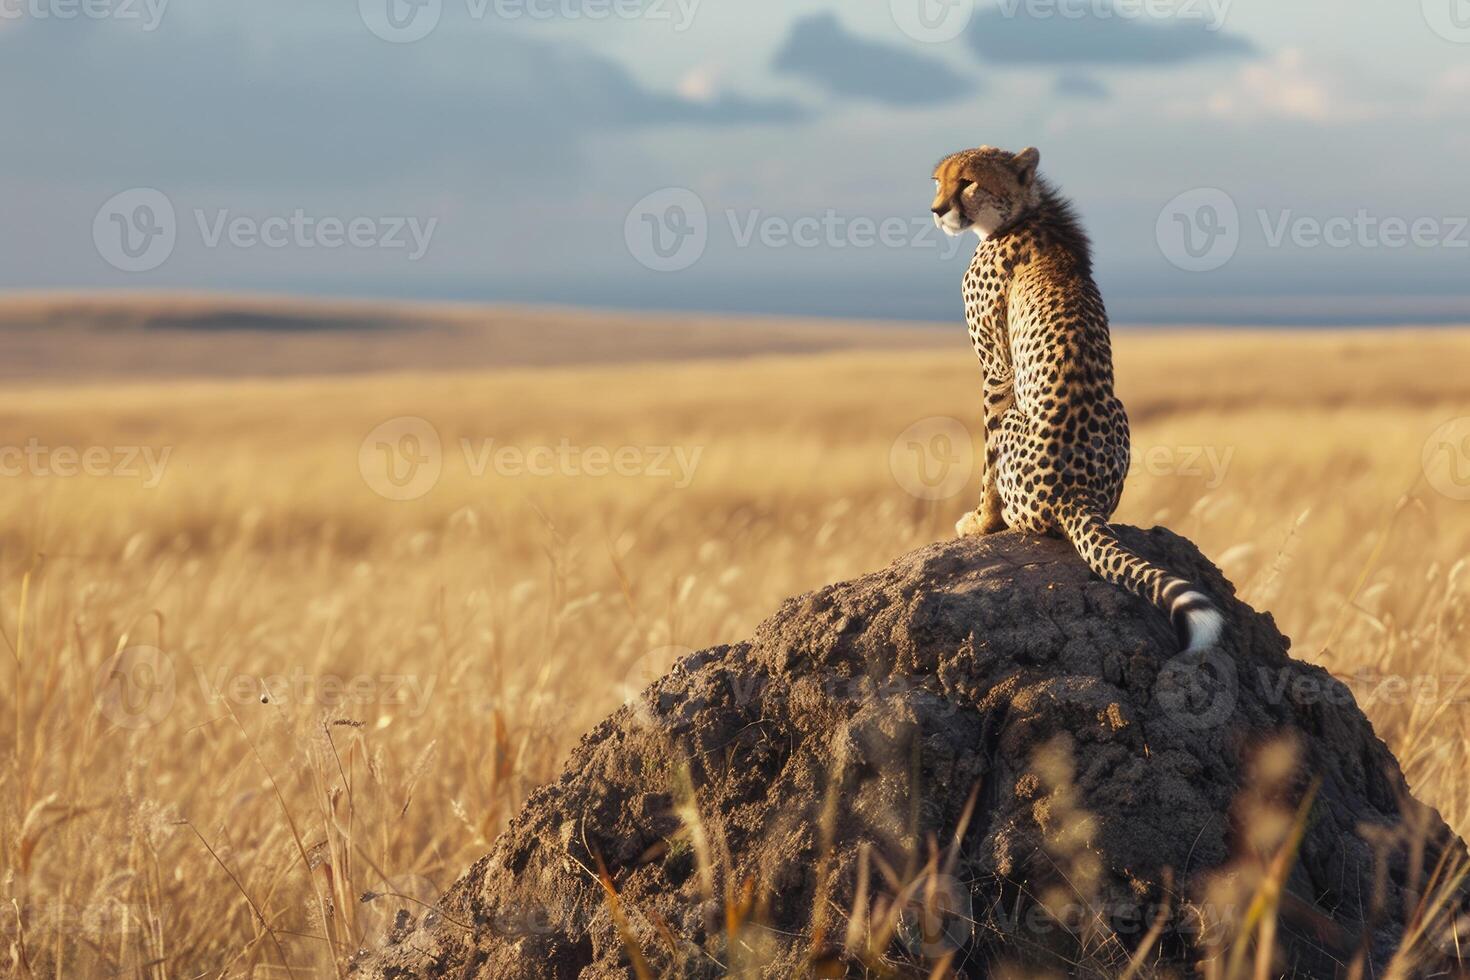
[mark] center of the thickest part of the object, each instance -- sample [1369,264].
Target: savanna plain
[283,653]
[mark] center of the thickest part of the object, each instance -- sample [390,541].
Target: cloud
[1447,97]
[700,84]
[820,50]
[1068,32]
[1075,86]
[180,103]
[1291,86]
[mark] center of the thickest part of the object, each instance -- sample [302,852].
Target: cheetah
[1056,436]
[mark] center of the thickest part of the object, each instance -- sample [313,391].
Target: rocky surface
[978,759]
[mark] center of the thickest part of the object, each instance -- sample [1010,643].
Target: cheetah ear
[1025,164]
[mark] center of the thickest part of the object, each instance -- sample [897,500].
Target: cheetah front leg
[987,518]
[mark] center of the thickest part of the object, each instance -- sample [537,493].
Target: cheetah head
[984,190]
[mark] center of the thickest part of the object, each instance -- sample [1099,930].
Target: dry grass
[240,825]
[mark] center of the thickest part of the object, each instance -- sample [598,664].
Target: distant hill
[60,336]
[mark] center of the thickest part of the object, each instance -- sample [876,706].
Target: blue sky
[1247,161]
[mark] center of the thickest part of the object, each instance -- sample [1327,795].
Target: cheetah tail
[1194,617]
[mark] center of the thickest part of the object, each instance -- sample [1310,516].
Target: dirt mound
[979,756]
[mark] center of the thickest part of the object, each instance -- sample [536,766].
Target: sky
[1235,161]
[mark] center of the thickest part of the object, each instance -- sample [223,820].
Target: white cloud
[1450,91]
[700,84]
[1290,85]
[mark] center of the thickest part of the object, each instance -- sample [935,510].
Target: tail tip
[1198,620]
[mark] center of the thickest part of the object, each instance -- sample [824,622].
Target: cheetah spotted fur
[1056,436]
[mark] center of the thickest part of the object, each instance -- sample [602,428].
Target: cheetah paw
[972,525]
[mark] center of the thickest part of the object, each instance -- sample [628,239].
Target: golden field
[244,689]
